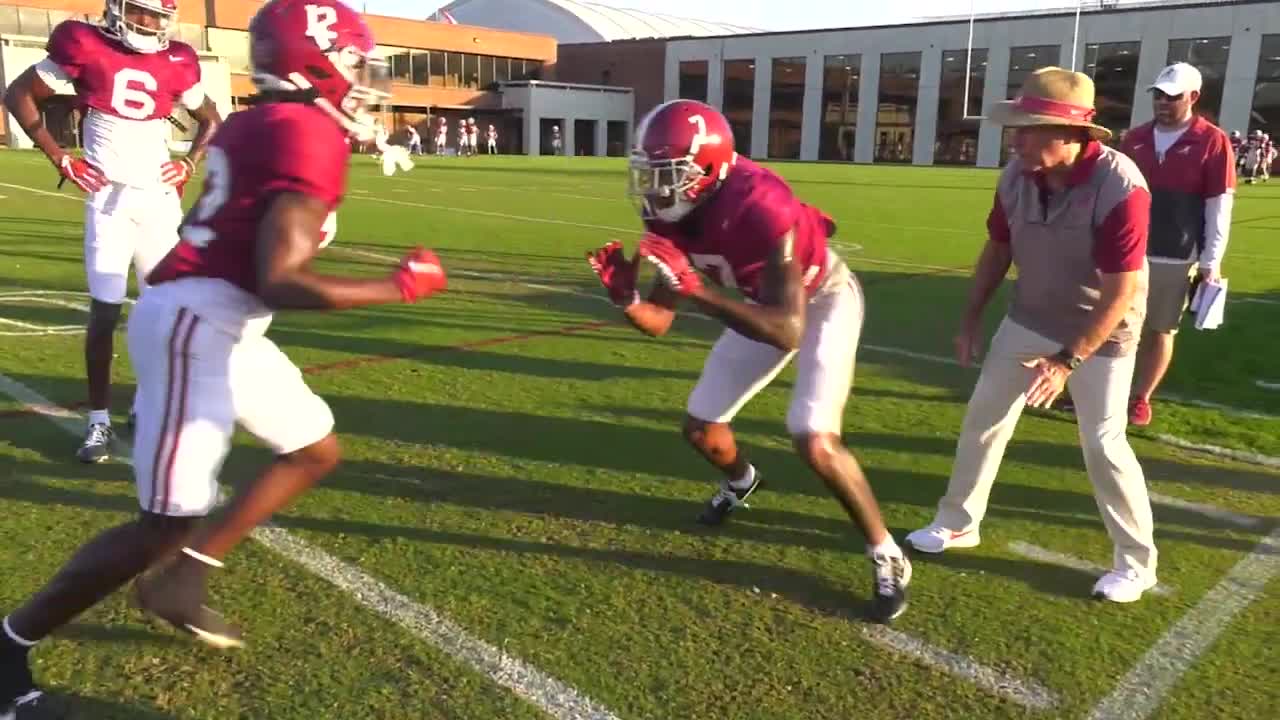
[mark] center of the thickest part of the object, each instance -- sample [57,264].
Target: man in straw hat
[1072,215]
[1190,168]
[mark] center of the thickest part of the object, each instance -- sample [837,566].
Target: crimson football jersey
[731,236]
[257,154]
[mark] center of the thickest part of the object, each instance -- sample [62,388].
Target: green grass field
[514,463]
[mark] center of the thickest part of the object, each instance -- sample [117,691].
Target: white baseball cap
[1178,78]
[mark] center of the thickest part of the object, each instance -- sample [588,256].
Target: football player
[473,136]
[276,174]
[706,209]
[130,74]
[462,138]
[442,136]
[556,143]
[492,135]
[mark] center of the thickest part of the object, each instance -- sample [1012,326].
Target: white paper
[1210,304]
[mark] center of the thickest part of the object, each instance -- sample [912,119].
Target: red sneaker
[1140,412]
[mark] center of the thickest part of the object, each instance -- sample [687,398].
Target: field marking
[1258,301]
[1210,511]
[548,694]
[1045,555]
[1141,691]
[1027,693]
[1267,385]
[1245,456]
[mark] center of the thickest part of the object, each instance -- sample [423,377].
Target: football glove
[176,173]
[395,157]
[616,272]
[672,264]
[81,172]
[420,274]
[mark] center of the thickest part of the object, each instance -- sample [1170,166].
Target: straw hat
[1052,96]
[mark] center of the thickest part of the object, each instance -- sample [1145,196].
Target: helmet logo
[320,22]
[700,137]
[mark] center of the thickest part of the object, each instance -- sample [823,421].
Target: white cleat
[935,538]
[1123,586]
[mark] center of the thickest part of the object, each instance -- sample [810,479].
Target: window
[9,21]
[470,72]
[1022,62]
[1266,94]
[486,71]
[1209,55]
[956,142]
[34,21]
[739,98]
[421,67]
[786,108]
[616,138]
[435,66]
[453,71]
[693,80]
[1114,69]
[502,69]
[839,107]
[896,110]
[400,62]
[192,35]
[232,45]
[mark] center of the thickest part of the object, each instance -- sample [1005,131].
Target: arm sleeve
[1120,241]
[193,97]
[998,223]
[1219,193]
[52,74]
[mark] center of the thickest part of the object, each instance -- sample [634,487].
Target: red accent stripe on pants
[168,406]
[180,417]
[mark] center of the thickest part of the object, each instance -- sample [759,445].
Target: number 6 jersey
[128,95]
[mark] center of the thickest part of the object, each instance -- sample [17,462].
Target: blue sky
[774,14]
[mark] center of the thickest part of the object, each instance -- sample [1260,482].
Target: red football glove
[672,264]
[79,171]
[616,272]
[176,173]
[420,274]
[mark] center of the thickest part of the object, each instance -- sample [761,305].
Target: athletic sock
[888,548]
[99,417]
[745,481]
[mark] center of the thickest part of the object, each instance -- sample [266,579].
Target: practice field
[512,534]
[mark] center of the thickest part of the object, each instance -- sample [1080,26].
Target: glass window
[1209,55]
[693,80]
[401,61]
[232,45]
[57,16]
[786,108]
[956,142]
[739,97]
[1266,94]
[420,67]
[616,138]
[839,107]
[470,72]
[1114,69]
[1022,62]
[192,35]
[453,72]
[501,69]
[486,71]
[34,21]
[436,68]
[9,21]
[896,110]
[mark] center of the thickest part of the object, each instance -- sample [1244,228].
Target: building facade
[898,94]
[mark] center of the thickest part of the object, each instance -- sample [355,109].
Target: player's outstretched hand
[616,272]
[176,173]
[420,275]
[81,172]
[672,264]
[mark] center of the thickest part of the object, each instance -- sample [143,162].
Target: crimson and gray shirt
[1064,242]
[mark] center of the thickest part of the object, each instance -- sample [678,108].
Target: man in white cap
[1071,214]
[1190,170]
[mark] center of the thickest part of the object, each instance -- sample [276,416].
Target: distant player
[492,135]
[276,174]
[442,136]
[415,140]
[463,138]
[1268,157]
[740,224]
[557,145]
[473,136]
[130,75]
[1253,157]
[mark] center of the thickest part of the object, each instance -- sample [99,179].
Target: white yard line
[550,695]
[1141,692]
[1209,511]
[1044,555]
[1267,385]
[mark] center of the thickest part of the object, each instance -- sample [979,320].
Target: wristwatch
[1069,361]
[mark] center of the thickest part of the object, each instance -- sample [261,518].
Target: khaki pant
[1100,391]
[1169,285]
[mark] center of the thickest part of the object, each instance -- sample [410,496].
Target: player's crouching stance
[741,225]
[276,173]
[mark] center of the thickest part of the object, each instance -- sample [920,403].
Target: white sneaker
[935,539]
[1123,586]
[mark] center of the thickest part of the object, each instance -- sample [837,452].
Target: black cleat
[179,599]
[20,699]
[726,500]
[892,574]
[96,447]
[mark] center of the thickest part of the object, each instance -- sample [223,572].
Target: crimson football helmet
[322,49]
[145,26]
[683,150]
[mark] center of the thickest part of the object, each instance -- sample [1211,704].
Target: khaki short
[1169,286]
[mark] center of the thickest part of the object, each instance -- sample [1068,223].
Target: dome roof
[591,21]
